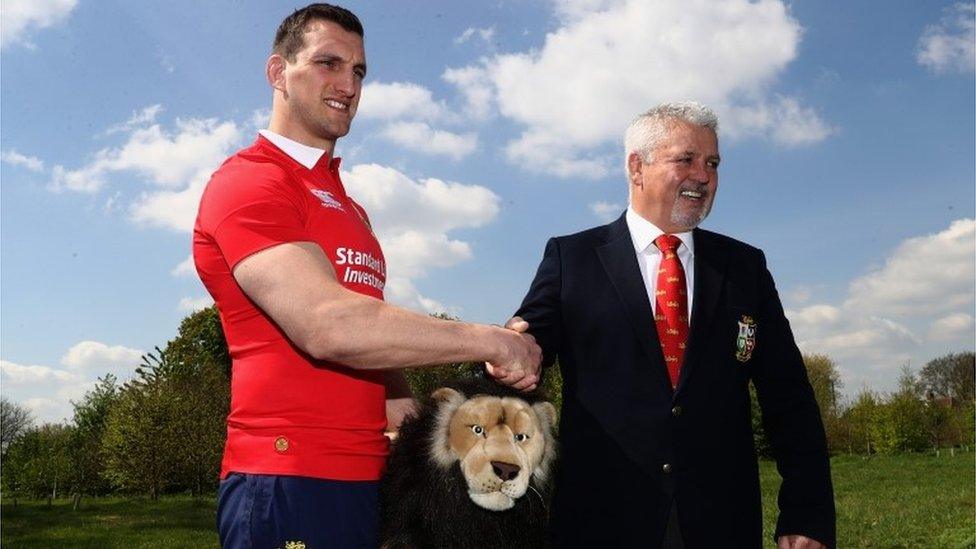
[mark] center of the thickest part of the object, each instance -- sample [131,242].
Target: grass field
[907,501]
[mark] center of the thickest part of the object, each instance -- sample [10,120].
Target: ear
[547,412]
[274,71]
[635,167]
[445,394]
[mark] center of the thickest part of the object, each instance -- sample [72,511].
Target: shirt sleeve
[249,210]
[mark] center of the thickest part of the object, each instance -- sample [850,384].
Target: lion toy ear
[546,412]
[445,394]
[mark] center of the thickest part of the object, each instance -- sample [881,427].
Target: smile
[337,105]
[694,195]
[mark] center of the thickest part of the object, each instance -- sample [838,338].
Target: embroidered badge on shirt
[746,342]
[327,199]
[294,545]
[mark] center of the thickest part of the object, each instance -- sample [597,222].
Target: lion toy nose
[505,471]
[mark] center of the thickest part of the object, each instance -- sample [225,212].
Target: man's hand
[798,542]
[520,369]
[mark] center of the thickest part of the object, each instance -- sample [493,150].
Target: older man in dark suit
[658,328]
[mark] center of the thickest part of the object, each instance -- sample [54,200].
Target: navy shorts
[269,511]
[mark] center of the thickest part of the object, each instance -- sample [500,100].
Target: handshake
[518,358]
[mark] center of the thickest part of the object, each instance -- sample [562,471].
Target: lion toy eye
[478,430]
[521,437]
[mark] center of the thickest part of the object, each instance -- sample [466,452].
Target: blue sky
[847,137]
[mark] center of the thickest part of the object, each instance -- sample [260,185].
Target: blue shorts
[268,511]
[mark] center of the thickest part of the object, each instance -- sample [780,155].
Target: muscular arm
[295,284]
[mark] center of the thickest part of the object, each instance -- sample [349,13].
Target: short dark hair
[290,38]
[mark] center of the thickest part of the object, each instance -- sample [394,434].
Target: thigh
[288,511]
[235,499]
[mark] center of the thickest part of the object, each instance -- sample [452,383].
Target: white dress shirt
[643,233]
[301,153]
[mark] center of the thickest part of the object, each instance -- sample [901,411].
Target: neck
[283,125]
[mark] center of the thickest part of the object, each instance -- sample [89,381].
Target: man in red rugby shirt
[297,275]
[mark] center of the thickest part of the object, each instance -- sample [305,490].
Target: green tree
[87,450]
[38,463]
[859,420]
[196,367]
[14,421]
[950,376]
[825,380]
[167,429]
[140,442]
[900,424]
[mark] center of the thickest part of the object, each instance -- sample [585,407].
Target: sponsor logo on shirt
[361,267]
[327,199]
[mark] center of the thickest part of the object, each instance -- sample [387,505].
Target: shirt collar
[299,152]
[643,233]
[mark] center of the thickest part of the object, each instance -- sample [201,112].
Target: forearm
[366,333]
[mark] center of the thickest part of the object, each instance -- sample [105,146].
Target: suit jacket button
[676,411]
[281,445]
[666,468]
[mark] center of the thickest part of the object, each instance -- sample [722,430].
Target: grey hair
[647,131]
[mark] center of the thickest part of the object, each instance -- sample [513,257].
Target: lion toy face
[471,469]
[499,442]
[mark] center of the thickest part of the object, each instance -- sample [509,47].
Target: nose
[346,84]
[505,471]
[701,173]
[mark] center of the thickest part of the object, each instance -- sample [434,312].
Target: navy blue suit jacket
[629,444]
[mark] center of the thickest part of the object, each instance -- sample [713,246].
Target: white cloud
[925,275]
[484,34]
[22,374]
[952,326]
[192,304]
[784,119]
[164,158]
[14,158]
[47,410]
[396,203]
[606,211]
[901,313]
[99,357]
[475,86]
[260,119]
[611,60]
[419,137]
[800,295]
[399,100]
[18,18]
[950,45]
[185,268]
[176,164]
[402,292]
[48,391]
[139,118]
[412,220]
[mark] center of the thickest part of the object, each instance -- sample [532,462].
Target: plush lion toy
[471,469]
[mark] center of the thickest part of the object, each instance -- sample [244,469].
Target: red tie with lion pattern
[671,311]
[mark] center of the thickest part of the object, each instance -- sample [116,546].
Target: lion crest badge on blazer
[746,342]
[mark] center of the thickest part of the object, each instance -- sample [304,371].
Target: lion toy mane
[471,469]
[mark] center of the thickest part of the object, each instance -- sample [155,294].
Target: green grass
[173,521]
[909,500]
[912,500]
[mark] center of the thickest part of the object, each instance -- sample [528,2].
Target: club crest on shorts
[746,342]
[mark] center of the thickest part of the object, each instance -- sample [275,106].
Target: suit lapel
[620,262]
[710,265]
